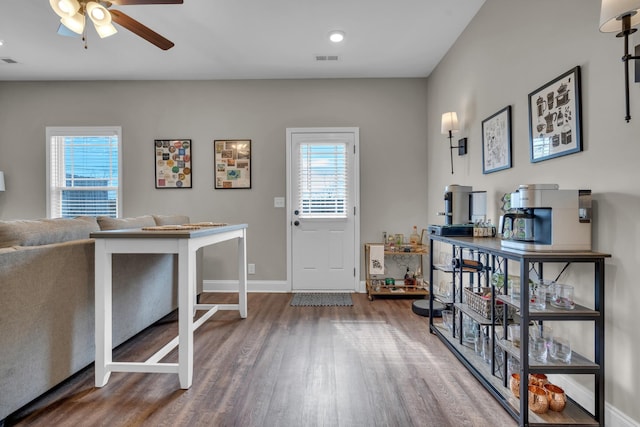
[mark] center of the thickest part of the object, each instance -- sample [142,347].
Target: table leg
[186,279]
[103,313]
[242,274]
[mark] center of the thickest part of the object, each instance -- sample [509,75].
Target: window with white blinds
[83,171]
[323,180]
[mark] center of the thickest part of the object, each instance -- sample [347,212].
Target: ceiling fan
[73,15]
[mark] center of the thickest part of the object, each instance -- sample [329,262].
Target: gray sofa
[47,299]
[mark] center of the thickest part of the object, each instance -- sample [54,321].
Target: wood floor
[373,364]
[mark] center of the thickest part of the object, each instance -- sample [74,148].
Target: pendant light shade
[65,8]
[75,23]
[106,30]
[612,11]
[98,13]
[101,18]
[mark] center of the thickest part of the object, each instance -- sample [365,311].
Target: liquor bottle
[414,238]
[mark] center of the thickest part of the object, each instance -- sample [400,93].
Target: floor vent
[8,60]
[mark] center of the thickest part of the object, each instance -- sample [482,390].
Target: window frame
[58,131]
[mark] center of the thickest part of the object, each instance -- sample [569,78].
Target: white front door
[322,193]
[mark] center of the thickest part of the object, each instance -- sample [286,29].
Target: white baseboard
[275,286]
[613,417]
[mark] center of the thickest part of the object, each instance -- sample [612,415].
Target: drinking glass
[469,328]
[513,366]
[537,297]
[514,289]
[447,319]
[513,334]
[563,297]
[540,338]
[560,349]
[486,347]
[538,349]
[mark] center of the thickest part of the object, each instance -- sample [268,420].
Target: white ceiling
[239,39]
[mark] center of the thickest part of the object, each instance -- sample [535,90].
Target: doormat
[321,300]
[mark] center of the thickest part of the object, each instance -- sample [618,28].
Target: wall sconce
[622,15]
[1,181]
[450,125]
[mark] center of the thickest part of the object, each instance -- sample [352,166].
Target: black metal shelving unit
[493,258]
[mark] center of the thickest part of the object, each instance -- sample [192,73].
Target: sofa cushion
[45,231]
[171,219]
[108,223]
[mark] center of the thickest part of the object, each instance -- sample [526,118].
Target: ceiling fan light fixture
[106,30]
[65,8]
[98,14]
[74,23]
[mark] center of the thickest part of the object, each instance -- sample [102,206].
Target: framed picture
[232,163]
[496,141]
[555,118]
[173,163]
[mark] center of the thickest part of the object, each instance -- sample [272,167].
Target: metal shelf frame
[496,259]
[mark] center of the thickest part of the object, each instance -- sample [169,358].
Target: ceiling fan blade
[137,28]
[134,2]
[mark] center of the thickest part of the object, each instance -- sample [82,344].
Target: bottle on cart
[414,238]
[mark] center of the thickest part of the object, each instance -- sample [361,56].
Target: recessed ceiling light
[336,36]
[1,42]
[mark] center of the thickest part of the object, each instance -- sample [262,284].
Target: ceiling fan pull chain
[84,37]
[83,7]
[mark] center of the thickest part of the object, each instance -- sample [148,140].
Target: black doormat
[321,300]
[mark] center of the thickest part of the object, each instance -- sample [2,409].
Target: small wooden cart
[376,284]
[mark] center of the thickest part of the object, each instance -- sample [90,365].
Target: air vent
[326,57]
[8,60]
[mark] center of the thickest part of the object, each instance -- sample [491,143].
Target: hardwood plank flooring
[372,364]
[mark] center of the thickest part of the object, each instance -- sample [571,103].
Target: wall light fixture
[622,16]
[448,127]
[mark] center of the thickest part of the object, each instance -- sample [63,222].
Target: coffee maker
[544,218]
[456,204]
[462,205]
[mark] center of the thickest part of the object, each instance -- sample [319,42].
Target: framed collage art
[232,164]
[173,163]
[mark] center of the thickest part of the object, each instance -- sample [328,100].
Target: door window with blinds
[322,180]
[83,171]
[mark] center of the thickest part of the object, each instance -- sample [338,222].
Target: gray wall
[390,113]
[509,50]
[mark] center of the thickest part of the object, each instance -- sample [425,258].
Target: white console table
[184,243]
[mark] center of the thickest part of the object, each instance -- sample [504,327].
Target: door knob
[296,223]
